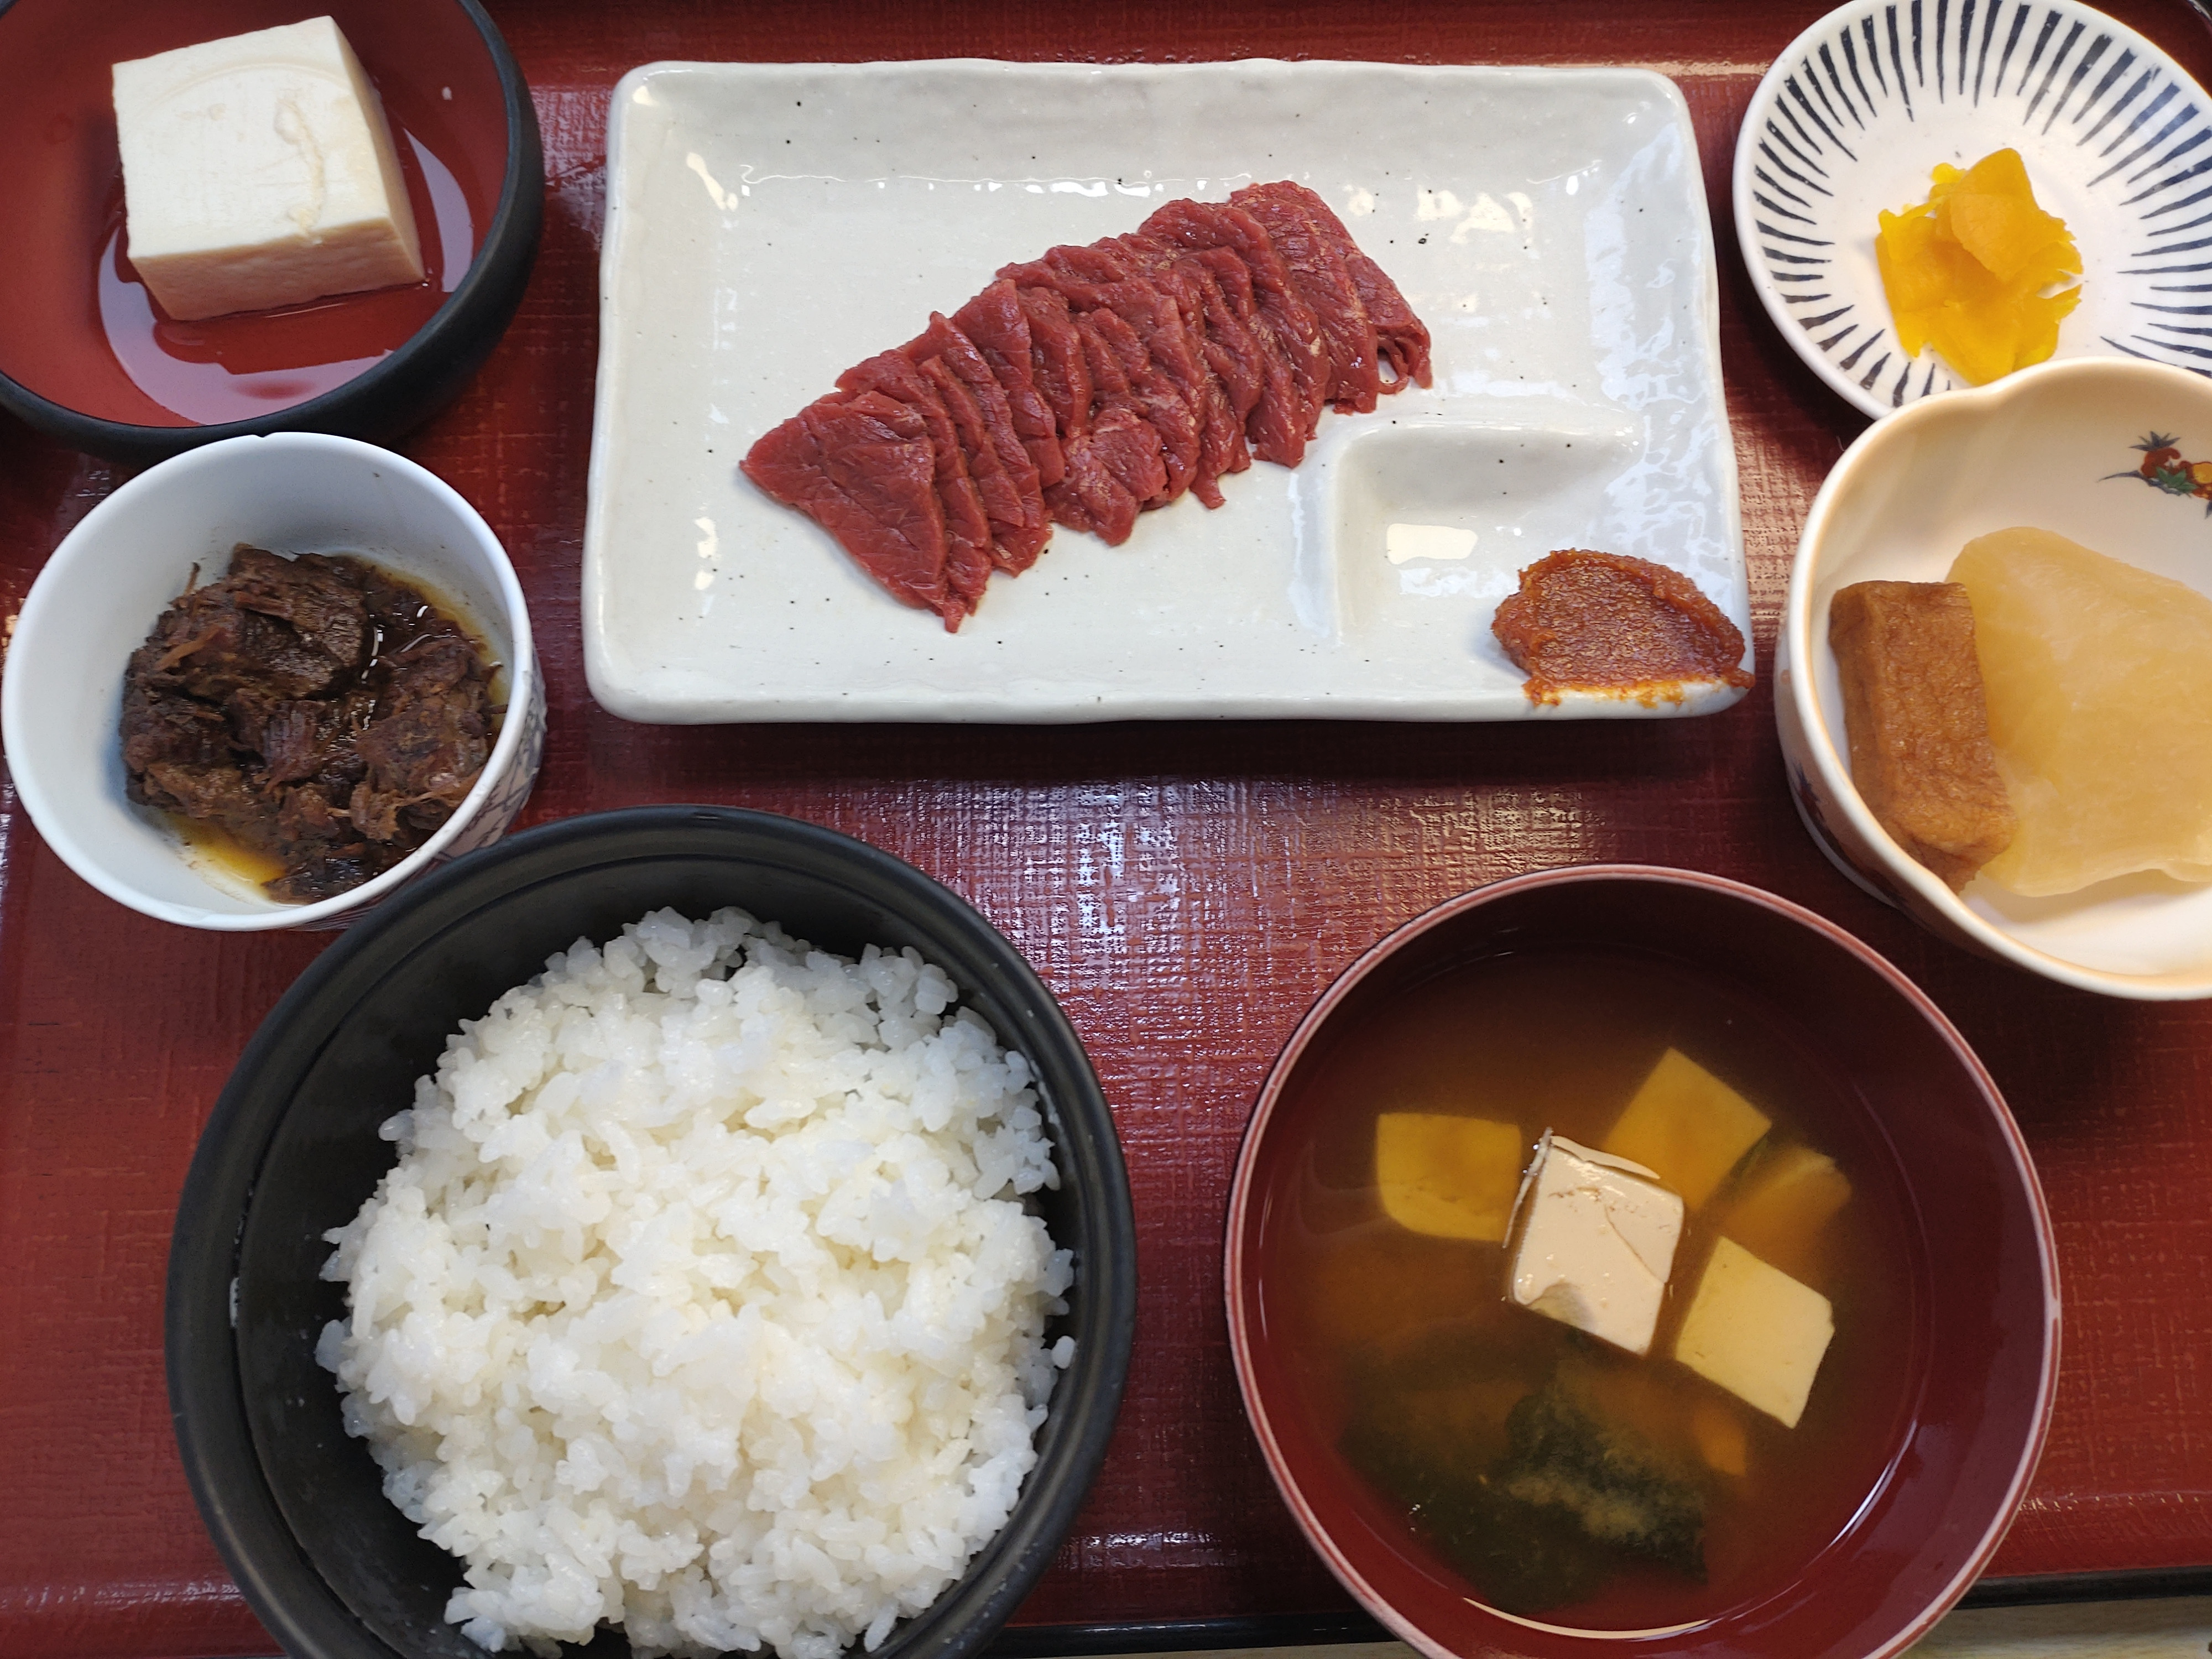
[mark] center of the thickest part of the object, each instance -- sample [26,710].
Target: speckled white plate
[768,226]
[1854,117]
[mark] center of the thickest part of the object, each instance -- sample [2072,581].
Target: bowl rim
[81,547]
[1802,651]
[215,1439]
[494,280]
[1236,1275]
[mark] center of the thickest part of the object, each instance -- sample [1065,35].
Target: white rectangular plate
[770,225]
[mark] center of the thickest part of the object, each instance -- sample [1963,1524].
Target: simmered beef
[322,713]
[1088,384]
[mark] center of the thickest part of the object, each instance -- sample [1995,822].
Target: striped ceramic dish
[1857,113]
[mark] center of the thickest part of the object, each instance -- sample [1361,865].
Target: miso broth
[1482,1437]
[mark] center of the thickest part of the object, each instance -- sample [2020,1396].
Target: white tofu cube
[1596,1238]
[1756,1331]
[258,171]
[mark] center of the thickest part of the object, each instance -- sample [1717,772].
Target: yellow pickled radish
[1966,269]
[1992,213]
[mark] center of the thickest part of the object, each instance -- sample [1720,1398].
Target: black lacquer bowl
[330,1566]
[84,353]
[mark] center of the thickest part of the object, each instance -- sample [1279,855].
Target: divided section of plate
[768,226]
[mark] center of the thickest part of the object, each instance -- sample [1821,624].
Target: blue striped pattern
[2070,75]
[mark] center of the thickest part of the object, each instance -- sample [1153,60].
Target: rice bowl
[703,1298]
[296,1504]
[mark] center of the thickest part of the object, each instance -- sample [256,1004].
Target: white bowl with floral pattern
[2112,452]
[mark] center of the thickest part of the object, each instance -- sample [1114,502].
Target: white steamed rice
[703,1297]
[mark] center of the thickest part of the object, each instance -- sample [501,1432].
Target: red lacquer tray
[1188,890]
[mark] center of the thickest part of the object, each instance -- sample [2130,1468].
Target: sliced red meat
[1126,377]
[1198,226]
[1276,423]
[998,460]
[1167,311]
[1018,527]
[967,525]
[994,321]
[1114,464]
[1143,327]
[1315,260]
[1057,356]
[1086,386]
[1112,471]
[1063,379]
[863,469]
[1156,316]
[1235,361]
[1189,359]
[1400,337]
[1001,502]
[1128,447]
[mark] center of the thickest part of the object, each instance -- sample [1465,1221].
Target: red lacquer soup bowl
[1464,1464]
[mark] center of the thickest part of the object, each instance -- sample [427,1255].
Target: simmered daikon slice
[2099,683]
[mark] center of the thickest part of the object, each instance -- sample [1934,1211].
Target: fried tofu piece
[1688,1125]
[1919,722]
[1789,1199]
[1449,1177]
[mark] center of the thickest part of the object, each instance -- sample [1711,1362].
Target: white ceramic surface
[2052,447]
[98,597]
[1854,117]
[769,226]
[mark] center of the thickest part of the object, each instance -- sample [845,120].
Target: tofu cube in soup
[1596,1242]
[1689,1125]
[1446,1177]
[1756,1331]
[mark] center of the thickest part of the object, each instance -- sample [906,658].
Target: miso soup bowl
[2060,447]
[1982,1356]
[100,593]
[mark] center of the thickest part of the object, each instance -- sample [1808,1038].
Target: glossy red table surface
[1187,890]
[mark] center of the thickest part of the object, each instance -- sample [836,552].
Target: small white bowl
[1857,113]
[2054,448]
[98,597]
